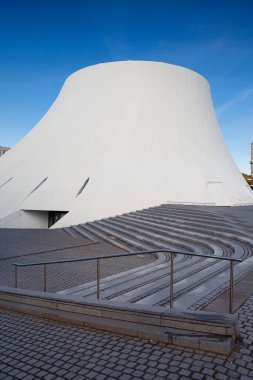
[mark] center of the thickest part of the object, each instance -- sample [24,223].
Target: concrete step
[200,330]
[202,217]
[202,242]
[194,286]
[104,237]
[189,211]
[237,242]
[214,287]
[150,284]
[81,231]
[134,244]
[156,228]
[71,232]
[197,215]
[154,238]
[188,221]
[195,243]
[180,225]
[135,240]
[158,292]
[125,278]
[192,227]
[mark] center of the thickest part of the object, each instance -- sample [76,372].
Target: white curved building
[120,136]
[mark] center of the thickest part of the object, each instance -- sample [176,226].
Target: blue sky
[44,41]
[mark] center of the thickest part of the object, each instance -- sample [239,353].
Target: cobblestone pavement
[34,348]
[19,247]
[16,242]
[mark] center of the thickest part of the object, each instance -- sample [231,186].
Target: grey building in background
[3,149]
[251,162]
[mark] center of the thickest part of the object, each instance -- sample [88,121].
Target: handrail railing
[192,203]
[148,252]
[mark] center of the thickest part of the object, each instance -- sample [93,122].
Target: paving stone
[148,376]
[243,371]
[207,371]
[220,369]
[49,377]
[141,367]
[125,377]
[249,366]
[41,374]
[198,363]
[173,376]
[233,374]
[128,371]
[184,372]
[197,376]
[196,369]
[67,375]
[91,375]
[221,376]
[184,365]
[115,359]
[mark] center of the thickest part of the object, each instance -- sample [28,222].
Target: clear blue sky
[44,41]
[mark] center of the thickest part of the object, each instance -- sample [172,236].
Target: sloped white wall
[144,133]
[25,219]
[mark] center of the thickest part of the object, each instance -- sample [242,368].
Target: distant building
[251,162]
[3,149]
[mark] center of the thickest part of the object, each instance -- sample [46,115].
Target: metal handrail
[98,258]
[192,203]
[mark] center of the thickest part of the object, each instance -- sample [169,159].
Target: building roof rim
[137,61]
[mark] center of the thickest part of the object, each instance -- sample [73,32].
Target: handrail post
[16,276]
[171,278]
[98,279]
[45,277]
[231,286]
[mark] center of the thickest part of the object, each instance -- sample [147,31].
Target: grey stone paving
[22,242]
[25,246]
[34,348]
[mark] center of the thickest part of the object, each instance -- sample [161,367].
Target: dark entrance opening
[54,216]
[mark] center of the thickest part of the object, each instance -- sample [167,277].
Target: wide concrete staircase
[197,281]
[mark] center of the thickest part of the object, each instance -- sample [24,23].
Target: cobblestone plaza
[34,348]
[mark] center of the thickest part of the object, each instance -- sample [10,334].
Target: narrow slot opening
[8,180]
[41,183]
[82,187]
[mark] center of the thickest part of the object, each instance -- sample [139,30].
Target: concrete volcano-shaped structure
[120,136]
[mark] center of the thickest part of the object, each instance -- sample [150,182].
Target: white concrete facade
[144,133]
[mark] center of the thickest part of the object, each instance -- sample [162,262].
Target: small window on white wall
[83,186]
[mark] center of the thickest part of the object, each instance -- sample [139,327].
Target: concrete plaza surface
[34,348]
